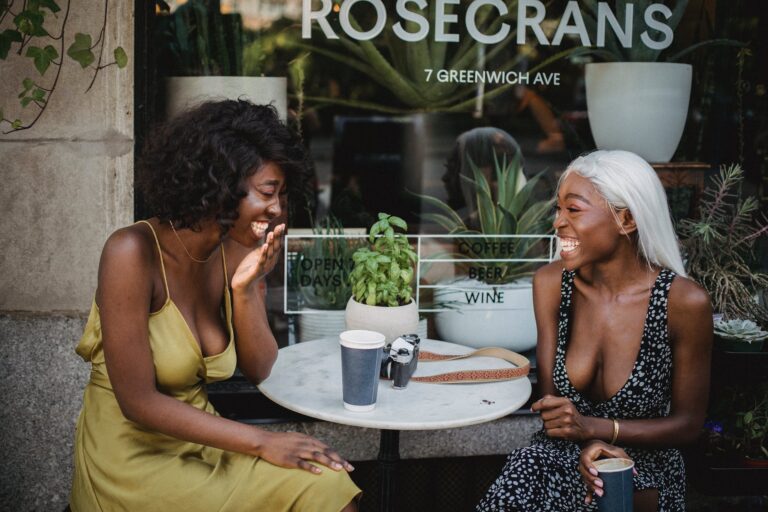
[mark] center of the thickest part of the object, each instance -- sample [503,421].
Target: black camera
[400,359]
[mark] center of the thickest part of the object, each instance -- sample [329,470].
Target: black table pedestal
[389,455]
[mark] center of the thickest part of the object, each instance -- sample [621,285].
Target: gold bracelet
[615,431]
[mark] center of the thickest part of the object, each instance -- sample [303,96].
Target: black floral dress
[545,477]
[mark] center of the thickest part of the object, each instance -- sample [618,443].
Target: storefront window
[403,105]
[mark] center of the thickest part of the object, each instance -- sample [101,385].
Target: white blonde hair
[627,181]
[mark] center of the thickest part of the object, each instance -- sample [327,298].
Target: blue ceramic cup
[360,364]
[618,490]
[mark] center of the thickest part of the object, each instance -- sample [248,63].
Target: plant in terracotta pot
[382,281]
[508,207]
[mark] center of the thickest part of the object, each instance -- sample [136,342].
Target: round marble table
[306,378]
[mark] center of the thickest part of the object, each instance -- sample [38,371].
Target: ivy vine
[29,35]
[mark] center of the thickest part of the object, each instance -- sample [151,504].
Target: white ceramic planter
[316,323]
[390,321]
[186,91]
[638,106]
[488,315]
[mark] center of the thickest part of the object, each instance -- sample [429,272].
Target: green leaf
[398,222]
[7,37]
[16,124]
[31,23]
[120,57]
[41,58]
[26,101]
[38,95]
[80,50]
[28,83]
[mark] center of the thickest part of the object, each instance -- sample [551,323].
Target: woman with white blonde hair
[624,341]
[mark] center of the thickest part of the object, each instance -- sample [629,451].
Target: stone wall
[66,183]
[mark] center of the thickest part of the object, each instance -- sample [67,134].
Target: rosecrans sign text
[414,26]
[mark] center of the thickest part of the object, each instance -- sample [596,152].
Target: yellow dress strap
[160,252]
[224,264]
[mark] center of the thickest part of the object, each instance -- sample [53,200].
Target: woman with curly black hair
[178,305]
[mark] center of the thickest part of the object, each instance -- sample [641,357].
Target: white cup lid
[362,339]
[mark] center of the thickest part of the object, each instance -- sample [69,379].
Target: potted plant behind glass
[719,248]
[638,99]
[322,275]
[382,282]
[206,58]
[507,315]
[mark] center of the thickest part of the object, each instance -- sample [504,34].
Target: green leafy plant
[202,41]
[323,268]
[744,331]
[614,51]
[511,210]
[719,247]
[745,424]
[383,273]
[33,36]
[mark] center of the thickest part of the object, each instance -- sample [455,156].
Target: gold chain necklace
[185,247]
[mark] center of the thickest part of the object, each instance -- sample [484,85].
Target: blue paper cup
[618,489]
[360,363]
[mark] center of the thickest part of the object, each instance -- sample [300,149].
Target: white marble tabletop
[307,379]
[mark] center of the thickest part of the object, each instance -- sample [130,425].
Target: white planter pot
[638,106]
[186,91]
[316,323]
[390,321]
[488,315]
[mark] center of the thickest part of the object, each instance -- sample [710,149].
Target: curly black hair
[194,166]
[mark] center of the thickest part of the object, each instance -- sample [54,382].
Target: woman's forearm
[172,417]
[256,346]
[669,431]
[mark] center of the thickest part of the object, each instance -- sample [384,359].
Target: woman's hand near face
[295,450]
[562,420]
[590,452]
[259,262]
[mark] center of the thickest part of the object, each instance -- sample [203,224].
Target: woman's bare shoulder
[686,294]
[690,313]
[130,242]
[549,276]
[129,250]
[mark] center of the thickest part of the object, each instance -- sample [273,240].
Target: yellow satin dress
[122,466]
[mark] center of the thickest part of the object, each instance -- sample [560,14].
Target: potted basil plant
[382,281]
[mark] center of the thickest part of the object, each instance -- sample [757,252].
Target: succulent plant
[507,208]
[740,330]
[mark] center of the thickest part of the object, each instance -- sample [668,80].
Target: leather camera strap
[523,367]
